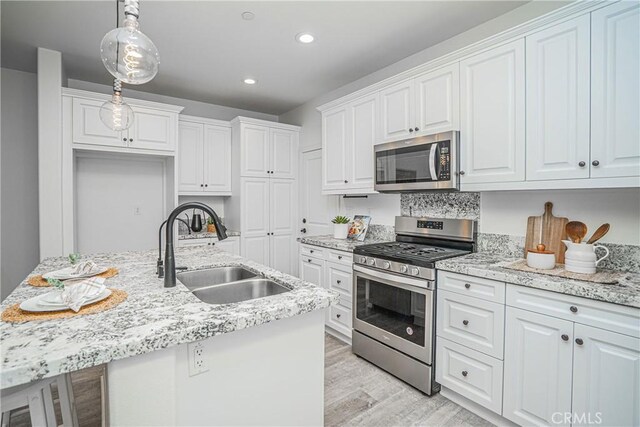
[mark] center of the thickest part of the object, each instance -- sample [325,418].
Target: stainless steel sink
[197,279]
[242,290]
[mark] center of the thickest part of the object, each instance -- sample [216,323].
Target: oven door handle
[408,283]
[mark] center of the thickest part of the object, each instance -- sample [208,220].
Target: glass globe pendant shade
[116,114]
[129,55]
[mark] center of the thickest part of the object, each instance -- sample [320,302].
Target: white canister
[581,257]
[541,260]
[340,231]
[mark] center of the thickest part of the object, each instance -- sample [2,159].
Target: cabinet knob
[417,129]
[338,316]
[339,256]
[304,220]
[346,181]
[564,337]
[579,341]
[124,139]
[582,164]
[309,260]
[338,281]
[206,185]
[465,373]
[130,139]
[573,309]
[465,322]
[467,285]
[410,130]
[201,185]
[595,163]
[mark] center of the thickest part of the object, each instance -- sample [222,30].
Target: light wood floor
[357,393]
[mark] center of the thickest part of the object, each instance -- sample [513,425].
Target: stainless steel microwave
[418,164]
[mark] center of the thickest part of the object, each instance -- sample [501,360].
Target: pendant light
[116,114]
[127,53]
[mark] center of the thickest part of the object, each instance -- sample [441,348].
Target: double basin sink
[225,285]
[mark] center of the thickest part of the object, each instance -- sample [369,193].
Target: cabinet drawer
[612,317]
[340,319]
[472,322]
[313,251]
[474,375]
[345,301]
[206,241]
[478,287]
[340,277]
[340,257]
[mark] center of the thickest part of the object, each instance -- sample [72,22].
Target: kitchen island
[263,358]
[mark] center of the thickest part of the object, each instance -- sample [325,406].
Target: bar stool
[37,396]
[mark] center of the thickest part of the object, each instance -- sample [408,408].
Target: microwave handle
[434,163]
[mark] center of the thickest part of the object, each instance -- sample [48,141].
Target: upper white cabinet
[267,151]
[153,128]
[615,85]
[426,104]
[204,157]
[349,133]
[558,65]
[492,129]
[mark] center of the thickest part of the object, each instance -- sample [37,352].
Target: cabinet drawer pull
[309,260]
[564,337]
[467,285]
[465,373]
[338,281]
[339,256]
[338,316]
[465,322]
[573,309]
[310,250]
[579,341]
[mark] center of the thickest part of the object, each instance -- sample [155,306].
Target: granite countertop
[328,241]
[206,235]
[152,317]
[490,266]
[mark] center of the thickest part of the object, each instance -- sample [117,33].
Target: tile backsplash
[441,205]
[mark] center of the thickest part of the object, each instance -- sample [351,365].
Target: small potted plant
[211,227]
[340,227]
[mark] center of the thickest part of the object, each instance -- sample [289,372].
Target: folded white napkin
[76,294]
[83,269]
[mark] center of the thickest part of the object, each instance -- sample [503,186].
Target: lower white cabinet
[537,367]
[230,244]
[331,269]
[567,360]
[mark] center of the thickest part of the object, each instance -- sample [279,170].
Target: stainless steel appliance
[394,289]
[418,164]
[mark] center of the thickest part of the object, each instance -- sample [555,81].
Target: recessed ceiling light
[250,81]
[247,16]
[305,38]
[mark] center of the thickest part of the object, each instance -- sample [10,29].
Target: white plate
[35,304]
[65,273]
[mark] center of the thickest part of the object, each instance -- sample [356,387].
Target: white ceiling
[207,49]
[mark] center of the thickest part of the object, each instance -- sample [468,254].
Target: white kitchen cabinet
[348,135]
[311,270]
[615,85]
[606,378]
[557,78]
[492,104]
[267,151]
[255,219]
[283,149]
[230,244]
[426,104]
[282,224]
[204,157]
[153,129]
[256,248]
[537,367]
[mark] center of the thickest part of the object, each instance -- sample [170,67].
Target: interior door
[606,377]
[190,162]
[316,210]
[283,151]
[217,160]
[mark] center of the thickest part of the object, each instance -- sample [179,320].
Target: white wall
[19,170]
[192,108]
[109,189]
[506,212]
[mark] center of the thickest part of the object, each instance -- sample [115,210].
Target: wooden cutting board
[550,228]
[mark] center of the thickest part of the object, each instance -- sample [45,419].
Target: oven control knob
[363,260]
[386,265]
[415,271]
[372,262]
[404,269]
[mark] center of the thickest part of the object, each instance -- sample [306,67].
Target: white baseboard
[479,410]
[342,337]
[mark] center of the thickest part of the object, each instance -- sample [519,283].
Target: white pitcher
[581,257]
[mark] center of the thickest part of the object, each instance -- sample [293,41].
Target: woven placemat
[40,282]
[604,277]
[14,314]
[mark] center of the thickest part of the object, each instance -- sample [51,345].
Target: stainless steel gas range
[394,289]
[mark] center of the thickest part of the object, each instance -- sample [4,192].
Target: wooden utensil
[548,230]
[576,231]
[599,233]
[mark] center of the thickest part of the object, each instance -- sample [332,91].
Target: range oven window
[411,164]
[395,310]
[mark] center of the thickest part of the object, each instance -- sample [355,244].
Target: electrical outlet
[197,363]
